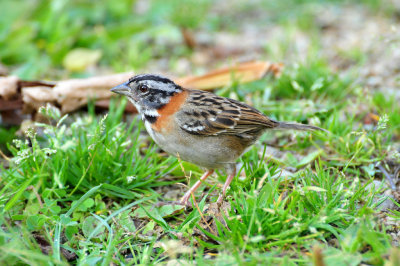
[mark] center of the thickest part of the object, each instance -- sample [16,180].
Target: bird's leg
[227,183]
[186,197]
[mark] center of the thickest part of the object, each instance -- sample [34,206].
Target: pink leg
[226,185]
[187,195]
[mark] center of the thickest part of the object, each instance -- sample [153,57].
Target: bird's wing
[208,114]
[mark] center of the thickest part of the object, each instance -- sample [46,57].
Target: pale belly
[209,152]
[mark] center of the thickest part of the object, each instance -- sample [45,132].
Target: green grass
[86,172]
[84,186]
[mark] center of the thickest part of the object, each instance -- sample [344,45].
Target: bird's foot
[220,199]
[185,201]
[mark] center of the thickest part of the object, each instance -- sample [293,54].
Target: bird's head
[148,91]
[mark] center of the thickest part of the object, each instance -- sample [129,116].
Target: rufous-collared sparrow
[198,126]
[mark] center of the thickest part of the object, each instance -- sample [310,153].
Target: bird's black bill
[122,89]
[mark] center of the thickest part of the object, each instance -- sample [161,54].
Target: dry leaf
[74,93]
[241,73]
[35,97]
[8,87]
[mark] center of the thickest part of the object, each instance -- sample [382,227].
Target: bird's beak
[122,89]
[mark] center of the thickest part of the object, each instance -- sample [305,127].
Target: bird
[198,126]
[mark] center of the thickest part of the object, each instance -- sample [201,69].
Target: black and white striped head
[147,91]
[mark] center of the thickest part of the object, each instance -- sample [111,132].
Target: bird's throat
[150,115]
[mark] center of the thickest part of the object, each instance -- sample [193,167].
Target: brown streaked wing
[208,114]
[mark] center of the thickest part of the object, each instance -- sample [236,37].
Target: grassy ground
[82,188]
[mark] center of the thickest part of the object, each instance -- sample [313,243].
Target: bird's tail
[296,126]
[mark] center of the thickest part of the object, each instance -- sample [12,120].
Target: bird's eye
[143,88]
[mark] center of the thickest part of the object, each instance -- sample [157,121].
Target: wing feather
[208,114]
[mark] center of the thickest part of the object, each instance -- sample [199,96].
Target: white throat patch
[150,112]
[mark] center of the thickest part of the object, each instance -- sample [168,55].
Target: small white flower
[30,133]
[49,152]
[296,224]
[130,178]
[17,143]
[21,156]
[50,111]
[23,153]
[18,160]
